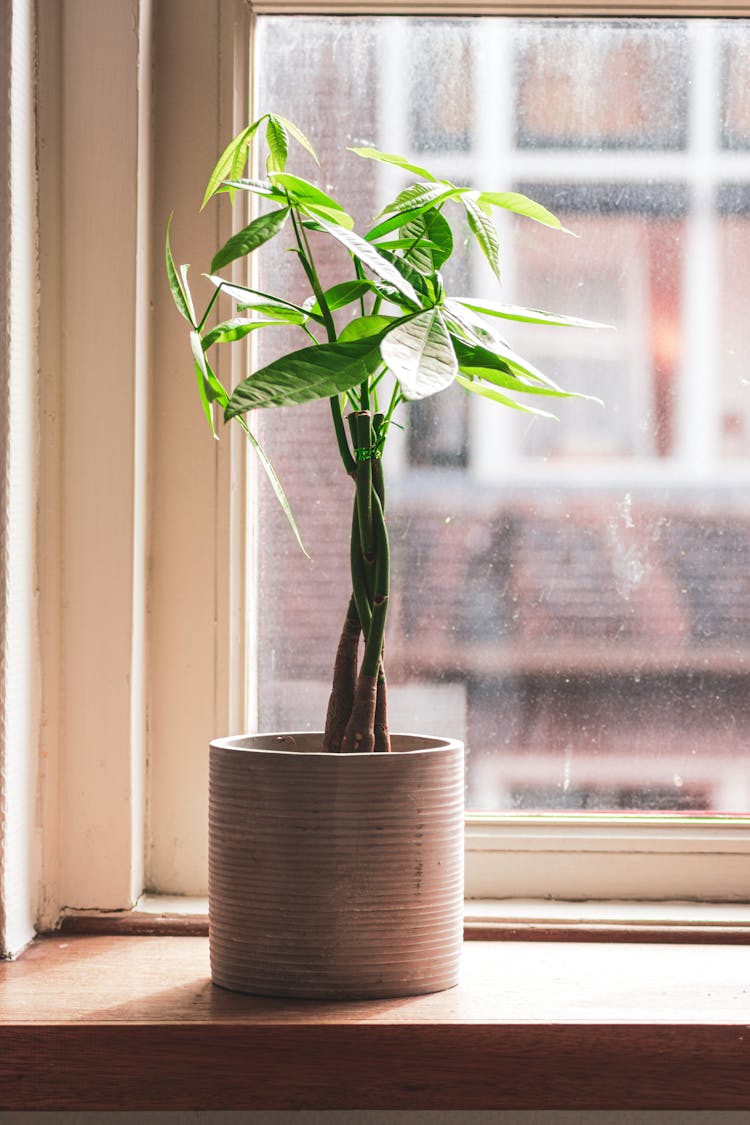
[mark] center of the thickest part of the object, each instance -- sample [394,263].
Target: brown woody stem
[359,736]
[367,726]
[382,734]
[341,699]
[373,655]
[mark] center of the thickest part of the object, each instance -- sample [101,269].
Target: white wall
[18,476]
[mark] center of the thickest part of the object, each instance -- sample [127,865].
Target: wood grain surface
[97,1023]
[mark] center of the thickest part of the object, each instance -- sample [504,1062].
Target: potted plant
[336,860]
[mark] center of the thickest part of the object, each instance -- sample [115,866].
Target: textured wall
[18,273]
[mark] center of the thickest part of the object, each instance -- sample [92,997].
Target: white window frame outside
[143,545]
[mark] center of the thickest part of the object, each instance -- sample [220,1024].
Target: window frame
[182,500]
[600,856]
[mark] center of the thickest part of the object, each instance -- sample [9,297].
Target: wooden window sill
[484,920]
[133,1022]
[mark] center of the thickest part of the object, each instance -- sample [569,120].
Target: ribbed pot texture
[335,875]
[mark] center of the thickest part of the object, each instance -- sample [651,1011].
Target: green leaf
[528,316]
[521,366]
[260,230]
[275,482]
[338,296]
[178,284]
[216,391]
[521,205]
[405,244]
[205,401]
[395,222]
[257,187]
[281,313]
[298,135]
[263,303]
[391,158]
[313,198]
[481,363]
[228,162]
[422,283]
[204,383]
[235,172]
[484,231]
[470,326]
[185,288]
[369,256]
[278,145]
[231,330]
[496,396]
[478,361]
[420,195]
[420,354]
[435,240]
[316,372]
[364,327]
[399,220]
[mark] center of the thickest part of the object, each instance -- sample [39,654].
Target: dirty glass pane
[601,84]
[572,598]
[735,87]
[441,85]
[734,242]
[624,268]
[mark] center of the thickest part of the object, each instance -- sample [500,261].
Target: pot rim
[235,742]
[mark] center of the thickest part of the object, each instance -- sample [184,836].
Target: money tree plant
[386,333]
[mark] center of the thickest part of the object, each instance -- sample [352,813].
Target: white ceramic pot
[335,875]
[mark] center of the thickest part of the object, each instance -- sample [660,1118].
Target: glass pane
[624,268]
[441,85]
[572,597]
[596,83]
[735,88]
[734,239]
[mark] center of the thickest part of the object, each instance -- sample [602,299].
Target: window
[143,538]
[578,616]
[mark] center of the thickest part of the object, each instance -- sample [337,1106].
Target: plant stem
[356,710]
[338,424]
[209,306]
[381,731]
[308,265]
[362,589]
[367,728]
[378,480]
[360,425]
[380,725]
[359,736]
[341,698]
[381,588]
[312,274]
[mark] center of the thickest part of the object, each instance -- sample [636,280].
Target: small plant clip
[369,453]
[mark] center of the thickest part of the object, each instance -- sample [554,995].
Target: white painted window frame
[139,606]
[141,541]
